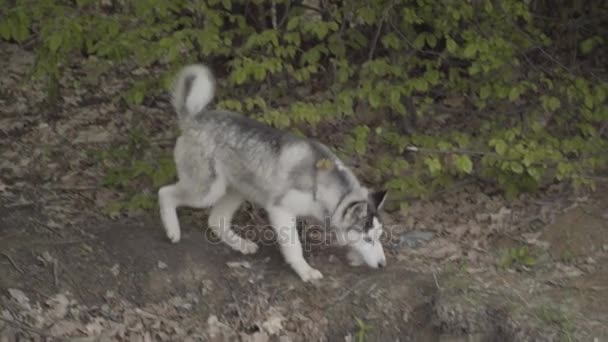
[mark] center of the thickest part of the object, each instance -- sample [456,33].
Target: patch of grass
[554,315]
[362,330]
[517,257]
[135,170]
[566,257]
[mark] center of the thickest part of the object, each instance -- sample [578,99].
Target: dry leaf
[274,323]
[58,305]
[21,298]
[64,328]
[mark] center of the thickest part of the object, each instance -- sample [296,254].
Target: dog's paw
[310,274]
[247,247]
[173,235]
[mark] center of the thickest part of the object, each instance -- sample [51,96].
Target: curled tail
[192,91]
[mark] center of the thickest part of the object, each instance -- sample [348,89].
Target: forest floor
[465,265]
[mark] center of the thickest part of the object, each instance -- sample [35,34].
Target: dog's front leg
[284,224]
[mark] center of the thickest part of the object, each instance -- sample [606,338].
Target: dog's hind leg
[171,197]
[220,220]
[284,224]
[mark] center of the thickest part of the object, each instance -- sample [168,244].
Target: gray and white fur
[224,158]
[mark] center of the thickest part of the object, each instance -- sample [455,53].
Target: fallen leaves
[63,318]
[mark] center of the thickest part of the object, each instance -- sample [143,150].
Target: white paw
[310,274]
[247,247]
[173,234]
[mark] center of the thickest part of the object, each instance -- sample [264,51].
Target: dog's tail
[192,90]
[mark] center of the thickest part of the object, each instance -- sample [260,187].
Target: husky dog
[224,158]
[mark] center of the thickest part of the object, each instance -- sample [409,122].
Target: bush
[426,92]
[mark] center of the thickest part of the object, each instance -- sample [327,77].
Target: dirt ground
[466,265]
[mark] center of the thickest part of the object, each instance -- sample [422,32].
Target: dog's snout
[381,264]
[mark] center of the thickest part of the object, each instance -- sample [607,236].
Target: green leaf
[55,42]
[431,40]
[529,260]
[513,94]
[5,30]
[240,76]
[419,41]
[550,103]
[470,50]
[293,23]
[589,101]
[451,45]
[485,91]
[433,164]
[534,173]
[374,99]
[464,164]
[517,168]
[587,45]
[500,146]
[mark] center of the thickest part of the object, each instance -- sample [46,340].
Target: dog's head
[359,226]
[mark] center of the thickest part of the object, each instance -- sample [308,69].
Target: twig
[25,327]
[12,262]
[71,281]
[273,12]
[376,36]
[20,204]
[55,275]
[451,151]
[71,188]
[44,225]
[437,282]
[64,242]
[146,314]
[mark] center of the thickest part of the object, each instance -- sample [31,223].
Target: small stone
[115,270]
[239,264]
[161,265]
[290,326]
[415,239]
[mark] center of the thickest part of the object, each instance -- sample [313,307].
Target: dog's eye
[367,239]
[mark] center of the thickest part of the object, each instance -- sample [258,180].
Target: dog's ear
[378,198]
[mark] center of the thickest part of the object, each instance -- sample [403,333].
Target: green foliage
[137,178]
[483,82]
[362,330]
[518,257]
[554,315]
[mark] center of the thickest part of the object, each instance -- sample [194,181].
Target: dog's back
[261,162]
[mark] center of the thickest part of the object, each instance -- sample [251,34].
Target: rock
[415,238]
